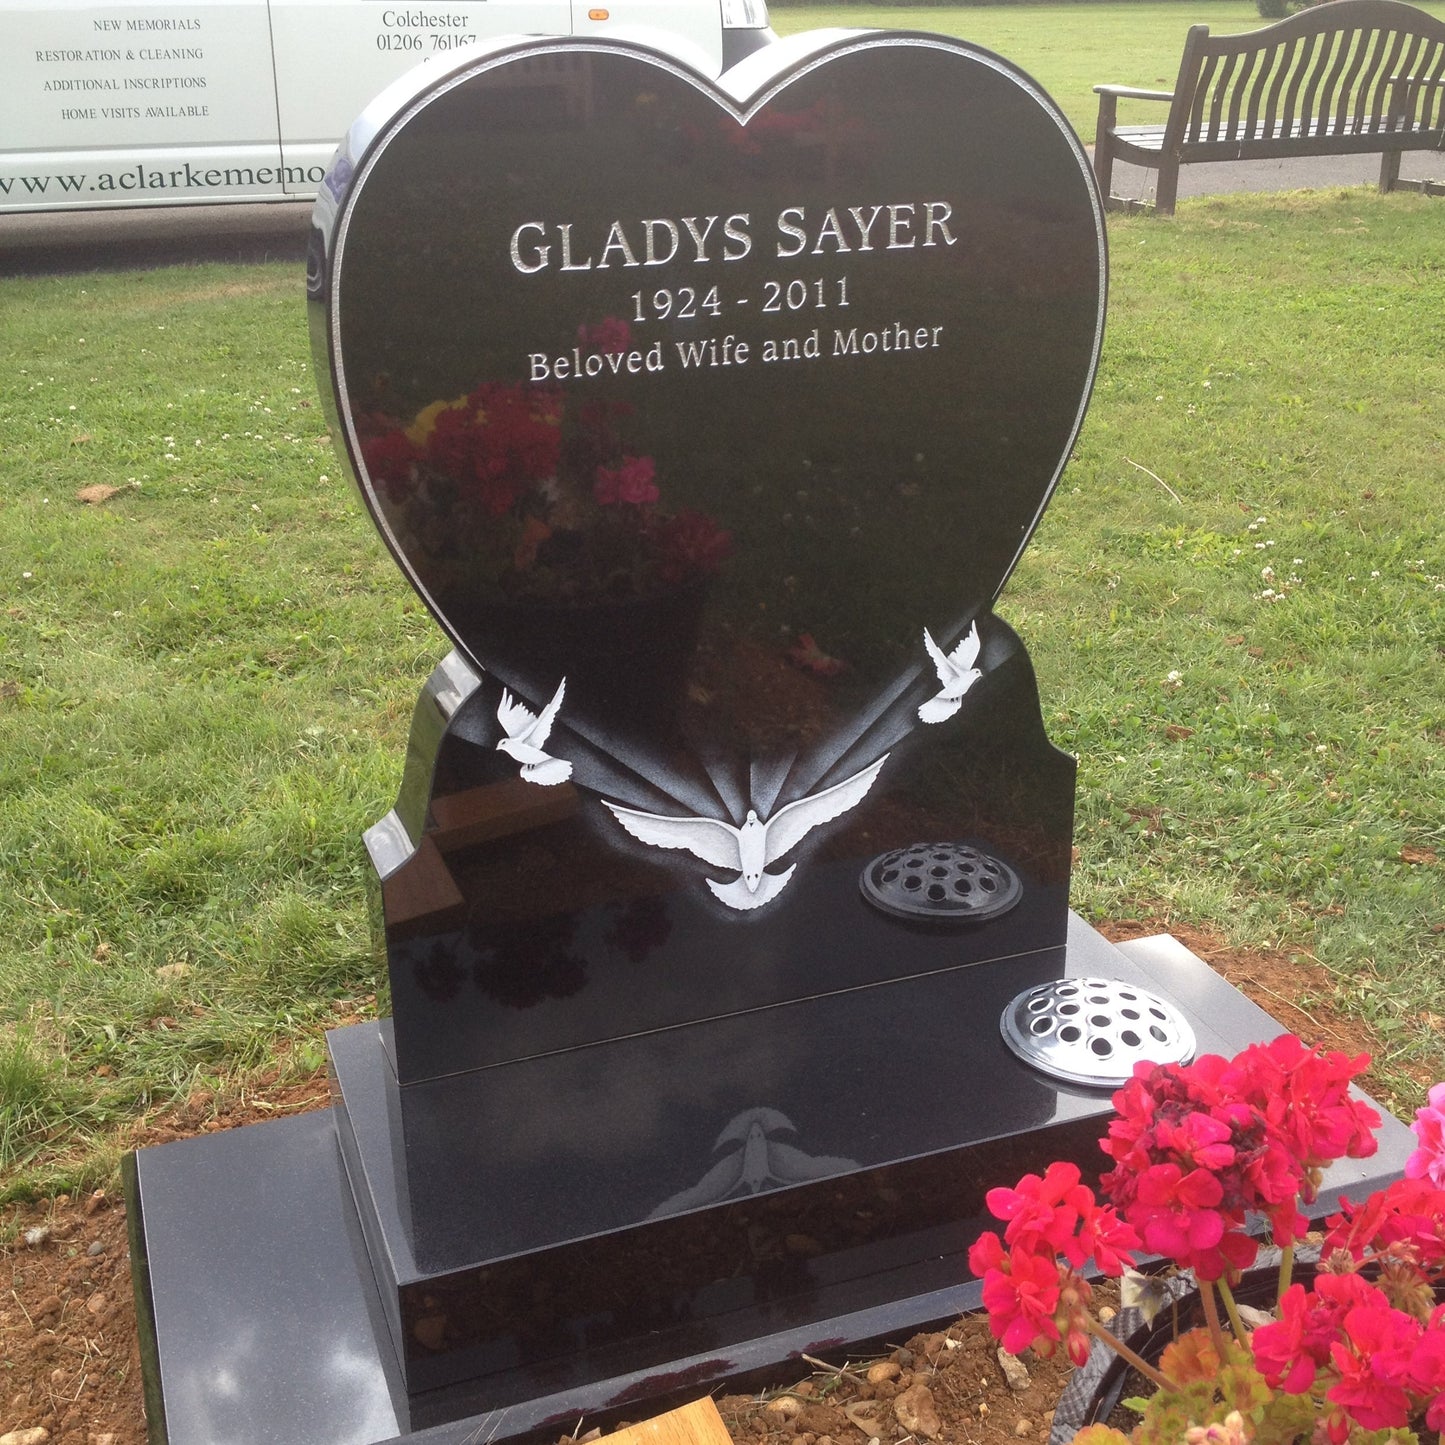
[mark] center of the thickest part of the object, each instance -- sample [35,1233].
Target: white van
[168,103]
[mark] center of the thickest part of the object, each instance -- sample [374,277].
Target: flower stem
[1129,1356]
[1211,1315]
[1286,1269]
[1232,1309]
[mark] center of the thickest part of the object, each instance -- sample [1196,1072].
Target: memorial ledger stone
[727,885]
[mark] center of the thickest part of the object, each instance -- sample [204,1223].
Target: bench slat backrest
[1330,71]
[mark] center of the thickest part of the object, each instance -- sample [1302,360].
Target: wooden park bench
[1345,77]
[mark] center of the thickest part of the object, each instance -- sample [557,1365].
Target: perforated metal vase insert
[941,881]
[1094,1030]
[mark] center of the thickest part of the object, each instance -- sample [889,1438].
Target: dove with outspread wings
[526,732]
[760,1162]
[956,674]
[748,850]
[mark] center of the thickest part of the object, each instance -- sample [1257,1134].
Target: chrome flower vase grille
[1093,1031]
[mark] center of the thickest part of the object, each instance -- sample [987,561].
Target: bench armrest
[1128,92]
[1109,98]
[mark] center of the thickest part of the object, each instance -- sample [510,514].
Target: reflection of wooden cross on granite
[422,895]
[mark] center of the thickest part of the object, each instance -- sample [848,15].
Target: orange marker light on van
[597,14]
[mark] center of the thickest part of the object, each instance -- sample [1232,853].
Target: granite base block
[455,1265]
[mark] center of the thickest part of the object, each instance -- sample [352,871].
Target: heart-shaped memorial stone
[709,417]
[681,389]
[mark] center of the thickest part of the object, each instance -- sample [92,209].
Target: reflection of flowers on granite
[439,975]
[806,654]
[509,494]
[531,962]
[641,927]
[631,481]
[773,134]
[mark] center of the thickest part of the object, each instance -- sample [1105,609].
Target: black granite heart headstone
[709,418]
[783,367]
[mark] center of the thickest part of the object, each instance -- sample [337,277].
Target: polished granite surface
[708,418]
[286,1340]
[261,1320]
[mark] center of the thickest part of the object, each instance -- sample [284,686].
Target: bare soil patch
[69,1364]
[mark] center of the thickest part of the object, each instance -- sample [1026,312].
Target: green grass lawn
[1237,602]
[1236,605]
[1068,49]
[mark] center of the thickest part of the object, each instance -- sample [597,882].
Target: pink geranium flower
[1291,1351]
[1021,1295]
[631,481]
[1428,1161]
[1203,1154]
[1373,1363]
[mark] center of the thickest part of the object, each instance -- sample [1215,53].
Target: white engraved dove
[956,674]
[526,732]
[752,847]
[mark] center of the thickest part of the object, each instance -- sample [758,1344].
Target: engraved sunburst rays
[747,850]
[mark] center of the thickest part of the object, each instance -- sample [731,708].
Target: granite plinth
[267,1316]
